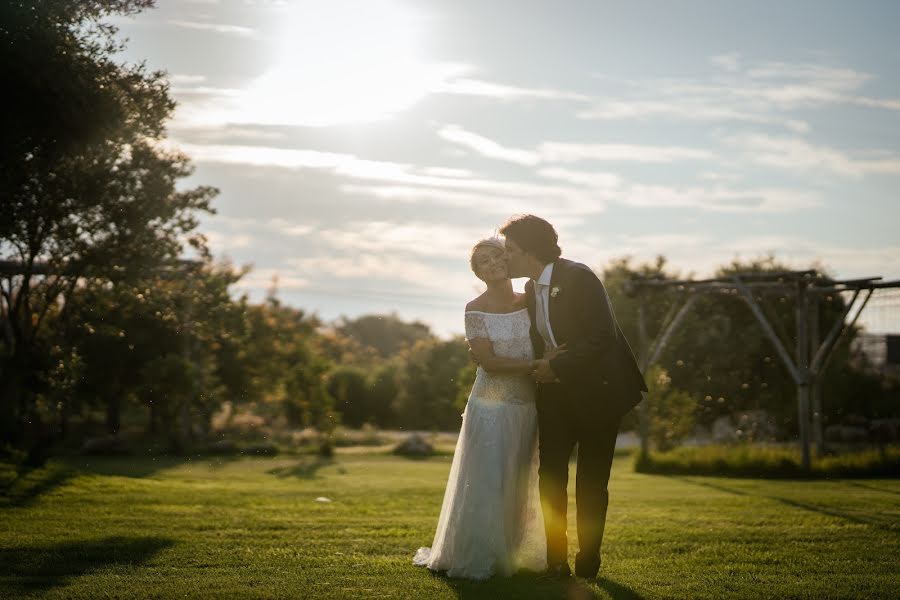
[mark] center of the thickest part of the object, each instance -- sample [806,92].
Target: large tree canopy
[85,186]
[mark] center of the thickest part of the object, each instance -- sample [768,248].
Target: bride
[491,521]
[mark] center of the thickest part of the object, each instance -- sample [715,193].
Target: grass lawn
[252,528]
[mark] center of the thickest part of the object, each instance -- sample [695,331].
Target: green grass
[251,528]
[770,462]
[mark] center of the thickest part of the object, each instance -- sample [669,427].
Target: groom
[582,393]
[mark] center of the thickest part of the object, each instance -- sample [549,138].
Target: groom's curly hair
[534,235]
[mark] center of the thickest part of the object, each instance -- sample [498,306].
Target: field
[253,528]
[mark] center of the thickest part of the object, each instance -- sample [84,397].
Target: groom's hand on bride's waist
[543,372]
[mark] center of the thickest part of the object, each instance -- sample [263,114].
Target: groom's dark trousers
[565,422]
[599,381]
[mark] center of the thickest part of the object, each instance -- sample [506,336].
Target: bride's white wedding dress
[491,521]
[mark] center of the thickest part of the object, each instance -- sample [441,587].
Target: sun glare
[341,62]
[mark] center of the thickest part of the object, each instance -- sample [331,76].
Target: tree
[386,334]
[86,187]
[383,390]
[348,386]
[428,384]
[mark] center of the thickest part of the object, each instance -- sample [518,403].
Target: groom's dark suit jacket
[599,365]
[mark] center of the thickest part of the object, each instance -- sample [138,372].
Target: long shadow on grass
[874,488]
[831,512]
[126,466]
[29,484]
[304,468]
[530,585]
[38,569]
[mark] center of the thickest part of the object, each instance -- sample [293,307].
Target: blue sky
[361,147]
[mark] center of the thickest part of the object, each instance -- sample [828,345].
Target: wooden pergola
[811,355]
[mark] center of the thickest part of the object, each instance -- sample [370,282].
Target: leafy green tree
[348,386]
[120,329]
[386,334]
[383,390]
[86,187]
[428,384]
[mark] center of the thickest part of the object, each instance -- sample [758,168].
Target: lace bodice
[509,337]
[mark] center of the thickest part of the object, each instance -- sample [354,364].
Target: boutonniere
[555,291]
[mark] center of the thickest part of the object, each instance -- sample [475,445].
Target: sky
[362,147]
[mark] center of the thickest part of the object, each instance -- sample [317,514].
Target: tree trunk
[114,412]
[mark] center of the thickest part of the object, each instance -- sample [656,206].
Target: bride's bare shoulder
[521,301]
[476,304]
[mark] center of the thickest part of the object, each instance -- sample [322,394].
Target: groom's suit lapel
[536,341]
[551,302]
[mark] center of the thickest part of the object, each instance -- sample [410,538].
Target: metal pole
[803,370]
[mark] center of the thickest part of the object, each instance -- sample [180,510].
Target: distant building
[882,351]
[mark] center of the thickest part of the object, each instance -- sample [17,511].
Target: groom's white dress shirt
[542,306]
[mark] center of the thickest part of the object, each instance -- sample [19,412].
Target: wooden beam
[831,339]
[767,328]
[663,340]
[849,326]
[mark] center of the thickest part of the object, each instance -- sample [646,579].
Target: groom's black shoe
[560,571]
[587,567]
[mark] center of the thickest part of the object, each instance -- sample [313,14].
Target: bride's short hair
[492,242]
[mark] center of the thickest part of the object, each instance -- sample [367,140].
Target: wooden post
[792,368]
[803,370]
[644,409]
[816,378]
[184,408]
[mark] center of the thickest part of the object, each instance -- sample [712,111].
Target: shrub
[671,410]
[768,462]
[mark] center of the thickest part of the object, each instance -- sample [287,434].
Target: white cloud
[685,109]
[217,27]
[798,154]
[720,198]
[561,152]
[373,269]
[559,202]
[717,176]
[410,183]
[763,93]
[727,62]
[476,87]
[486,147]
[184,78]
[593,179]
[418,239]
[221,242]
[567,152]
[207,91]
[446,172]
